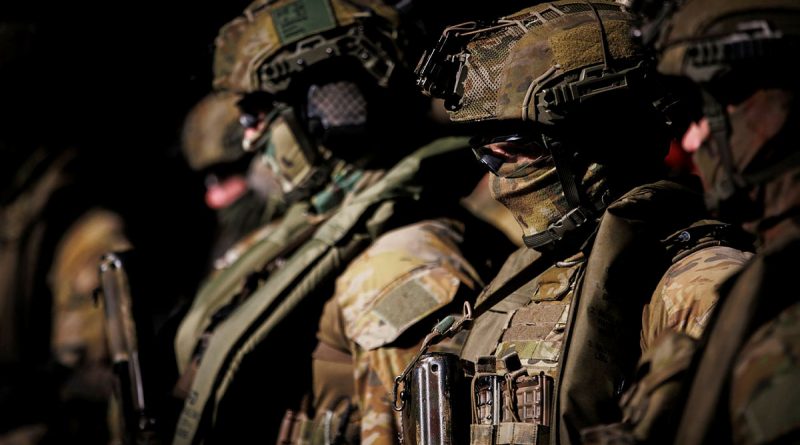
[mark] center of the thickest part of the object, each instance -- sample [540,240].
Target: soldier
[53,227]
[733,57]
[560,98]
[328,105]
[244,195]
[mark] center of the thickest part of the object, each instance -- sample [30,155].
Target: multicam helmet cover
[518,79]
[274,40]
[310,62]
[533,65]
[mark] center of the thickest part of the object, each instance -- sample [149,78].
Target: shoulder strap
[333,245]
[625,264]
[218,291]
[747,300]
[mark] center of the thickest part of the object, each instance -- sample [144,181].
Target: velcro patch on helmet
[301,18]
[581,46]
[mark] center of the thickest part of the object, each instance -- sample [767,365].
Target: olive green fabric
[333,244]
[579,47]
[222,287]
[605,331]
[651,405]
[600,343]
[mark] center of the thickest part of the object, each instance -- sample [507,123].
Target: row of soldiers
[381,301]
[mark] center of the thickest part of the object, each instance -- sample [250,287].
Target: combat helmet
[274,40]
[211,132]
[726,49]
[537,73]
[313,69]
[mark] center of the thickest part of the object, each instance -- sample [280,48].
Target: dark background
[114,81]
[111,81]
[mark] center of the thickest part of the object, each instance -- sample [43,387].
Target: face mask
[302,165]
[533,193]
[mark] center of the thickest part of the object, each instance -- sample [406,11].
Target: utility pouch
[437,407]
[295,429]
[509,407]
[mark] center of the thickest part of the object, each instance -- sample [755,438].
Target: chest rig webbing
[318,260]
[555,351]
[511,389]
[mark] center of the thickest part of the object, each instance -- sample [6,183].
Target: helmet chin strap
[732,183]
[583,212]
[732,191]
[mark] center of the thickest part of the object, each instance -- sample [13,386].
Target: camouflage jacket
[239,368]
[570,325]
[745,389]
[383,305]
[686,296]
[677,316]
[741,379]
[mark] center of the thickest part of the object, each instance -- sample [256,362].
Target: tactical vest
[558,336]
[291,231]
[285,297]
[748,300]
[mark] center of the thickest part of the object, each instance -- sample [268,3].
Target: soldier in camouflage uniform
[245,196]
[560,98]
[327,104]
[54,376]
[371,328]
[733,58]
[48,267]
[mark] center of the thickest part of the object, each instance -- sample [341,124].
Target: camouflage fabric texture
[211,131]
[687,294]
[764,391]
[532,48]
[535,196]
[78,332]
[268,27]
[714,19]
[385,301]
[673,321]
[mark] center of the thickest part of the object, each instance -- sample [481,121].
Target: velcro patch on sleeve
[404,304]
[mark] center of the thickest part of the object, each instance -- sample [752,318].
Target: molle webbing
[599,347]
[293,230]
[337,241]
